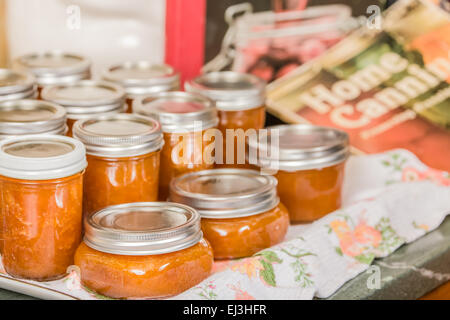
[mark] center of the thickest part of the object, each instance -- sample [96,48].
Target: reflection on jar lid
[143,228]
[225,193]
[231,91]
[119,135]
[143,77]
[55,67]
[178,111]
[301,147]
[16,84]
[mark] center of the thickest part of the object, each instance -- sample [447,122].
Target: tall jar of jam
[55,67]
[239,98]
[142,78]
[86,99]
[29,116]
[308,162]
[123,153]
[241,212]
[16,85]
[41,187]
[184,118]
[143,250]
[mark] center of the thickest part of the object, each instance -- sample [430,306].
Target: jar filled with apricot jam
[29,116]
[185,118]
[239,99]
[142,78]
[308,162]
[241,212]
[123,153]
[41,187]
[16,85]
[143,250]
[86,99]
[55,67]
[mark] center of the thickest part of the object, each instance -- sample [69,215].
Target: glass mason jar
[28,116]
[185,118]
[16,85]
[239,99]
[123,153]
[143,250]
[142,78]
[41,185]
[241,212]
[86,99]
[309,165]
[55,67]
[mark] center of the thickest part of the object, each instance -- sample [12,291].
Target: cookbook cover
[387,87]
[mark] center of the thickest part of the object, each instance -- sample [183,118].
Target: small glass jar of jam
[41,187]
[143,250]
[16,85]
[86,99]
[143,78]
[55,67]
[239,99]
[123,152]
[309,164]
[29,116]
[241,212]
[184,118]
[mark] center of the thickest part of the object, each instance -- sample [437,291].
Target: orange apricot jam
[184,117]
[143,250]
[123,154]
[41,185]
[241,212]
[309,164]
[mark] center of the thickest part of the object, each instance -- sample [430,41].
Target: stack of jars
[128,156]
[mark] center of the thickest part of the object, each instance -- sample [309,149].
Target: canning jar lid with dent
[55,67]
[231,91]
[302,147]
[41,157]
[119,135]
[226,193]
[29,116]
[142,77]
[16,84]
[86,98]
[143,228]
[178,111]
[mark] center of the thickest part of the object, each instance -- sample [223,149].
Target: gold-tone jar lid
[16,84]
[225,193]
[143,228]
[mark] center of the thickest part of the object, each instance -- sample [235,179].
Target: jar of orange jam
[184,118]
[29,116]
[123,153]
[41,187]
[55,67]
[309,164]
[16,85]
[143,250]
[142,78]
[86,99]
[241,212]
[239,99]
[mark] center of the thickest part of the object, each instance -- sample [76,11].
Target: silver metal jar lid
[86,98]
[143,78]
[178,111]
[302,147]
[119,135]
[16,84]
[231,91]
[226,193]
[143,228]
[28,116]
[55,67]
